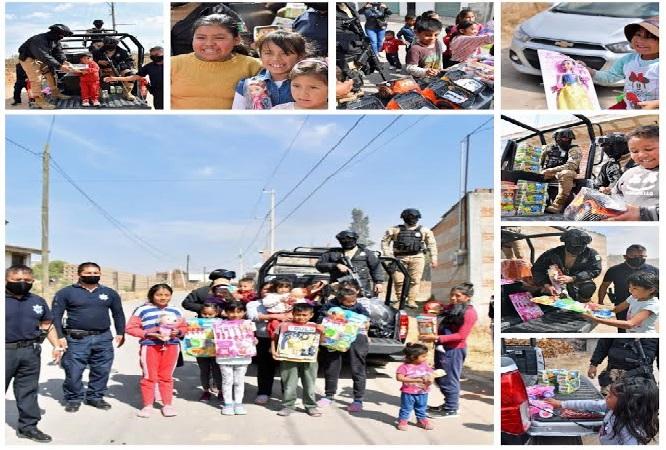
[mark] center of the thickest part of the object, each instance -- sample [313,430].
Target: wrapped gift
[341,327]
[234,339]
[591,205]
[199,340]
[297,342]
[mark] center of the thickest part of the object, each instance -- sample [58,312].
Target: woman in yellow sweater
[207,78]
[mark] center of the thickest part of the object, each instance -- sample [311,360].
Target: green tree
[360,224]
[56,270]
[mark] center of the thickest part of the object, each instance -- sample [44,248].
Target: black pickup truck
[554,320]
[388,326]
[519,369]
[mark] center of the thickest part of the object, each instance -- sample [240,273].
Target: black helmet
[575,237]
[221,273]
[614,145]
[410,212]
[98,23]
[60,30]
[347,234]
[110,41]
[563,137]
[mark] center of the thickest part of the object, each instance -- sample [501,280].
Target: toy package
[535,395]
[539,392]
[234,339]
[341,327]
[539,408]
[531,198]
[426,324]
[297,343]
[524,307]
[515,269]
[532,187]
[553,273]
[591,205]
[256,94]
[530,210]
[567,82]
[565,381]
[529,154]
[199,339]
[166,324]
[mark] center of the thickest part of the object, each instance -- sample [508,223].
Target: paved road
[201,423]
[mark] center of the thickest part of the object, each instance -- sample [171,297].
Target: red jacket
[391,45]
[92,74]
[459,338]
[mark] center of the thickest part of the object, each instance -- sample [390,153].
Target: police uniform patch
[38,309]
[103,297]
[597,257]
[417,234]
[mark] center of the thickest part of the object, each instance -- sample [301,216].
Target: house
[15,255]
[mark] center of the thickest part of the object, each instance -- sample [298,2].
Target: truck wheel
[555,440]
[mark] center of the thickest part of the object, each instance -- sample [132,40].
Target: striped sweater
[146,319]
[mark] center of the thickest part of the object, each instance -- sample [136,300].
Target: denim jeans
[95,352]
[413,402]
[452,362]
[376,38]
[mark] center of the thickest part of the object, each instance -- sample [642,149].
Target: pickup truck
[388,326]
[519,368]
[554,320]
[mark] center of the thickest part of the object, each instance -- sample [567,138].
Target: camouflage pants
[565,179]
[415,265]
[33,69]
[512,251]
[613,376]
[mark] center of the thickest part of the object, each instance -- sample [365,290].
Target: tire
[555,440]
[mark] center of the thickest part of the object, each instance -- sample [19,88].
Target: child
[245,291]
[219,293]
[424,58]
[233,370]
[89,81]
[291,371]
[279,52]
[416,377]
[207,78]
[466,43]
[639,185]
[639,70]
[457,320]
[207,366]
[391,46]
[331,361]
[642,305]
[309,85]
[632,411]
[159,354]
[406,33]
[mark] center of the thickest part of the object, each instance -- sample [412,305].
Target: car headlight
[521,35]
[620,47]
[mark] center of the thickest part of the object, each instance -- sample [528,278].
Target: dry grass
[515,13]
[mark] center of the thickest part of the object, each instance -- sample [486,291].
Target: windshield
[642,10]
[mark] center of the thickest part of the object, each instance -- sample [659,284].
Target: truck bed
[115,102]
[555,321]
[545,217]
[384,346]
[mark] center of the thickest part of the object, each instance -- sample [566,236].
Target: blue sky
[189,184]
[22,20]
[619,238]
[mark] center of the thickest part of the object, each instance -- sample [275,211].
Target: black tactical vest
[555,157]
[408,242]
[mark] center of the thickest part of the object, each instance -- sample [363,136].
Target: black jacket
[618,350]
[357,308]
[195,299]
[121,59]
[586,267]
[375,17]
[365,262]
[45,48]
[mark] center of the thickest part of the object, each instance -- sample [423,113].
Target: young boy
[346,298]
[639,186]
[406,33]
[391,46]
[89,81]
[292,371]
[245,291]
[424,58]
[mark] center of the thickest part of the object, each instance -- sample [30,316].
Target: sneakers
[228,409]
[99,404]
[96,103]
[261,399]
[355,406]
[441,412]
[324,402]
[169,411]
[240,410]
[425,424]
[314,412]
[14,103]
[34,435]
[85,103]
[402,425]
[412,305]
[145,412]
[205,396]
[284,412]
[72,407]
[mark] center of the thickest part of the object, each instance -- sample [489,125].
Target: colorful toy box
[426,324]
[298,343]
[199,338]
[341,327]
[234,339]
[591,205]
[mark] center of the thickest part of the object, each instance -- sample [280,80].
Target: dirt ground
[521,91]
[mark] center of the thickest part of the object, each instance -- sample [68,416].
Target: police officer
[27,321]
[111,57]
[154,70]
[579,264]
[86,336]
[196,299]
[615,147]
[512,250]
[409,242]
[313,25]
[634,261]
[40,56]
[560,161]
[98,27]
[365,263]
[624,359]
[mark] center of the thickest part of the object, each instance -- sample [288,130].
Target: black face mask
[109,47]
[347,244]
[411,220]
[635,262]
[157,58]
[20,288]
[89,279]
[574,249]
[564,145]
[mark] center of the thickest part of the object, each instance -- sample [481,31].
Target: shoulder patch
[597,257]
[38,309]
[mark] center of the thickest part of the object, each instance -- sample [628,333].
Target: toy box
[524,307]
[234,339]
[341,327]
[533,187]
[591,205]
[199,338]
[298,343]
[426,324]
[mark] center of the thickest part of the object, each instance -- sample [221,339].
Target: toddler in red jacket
[391,46]
[89,81]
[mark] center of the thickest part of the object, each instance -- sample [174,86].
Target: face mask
[89,279]
[109,47]
[636,262]
[157,58]
[347,244]
[564,145]
[411,220]
[18,287]
[574,249]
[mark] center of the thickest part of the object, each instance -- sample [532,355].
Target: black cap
[221,273]
[97,22]
[575,237]
[410,212]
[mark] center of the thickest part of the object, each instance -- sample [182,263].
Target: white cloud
[62,7]
[38,15]
[206,171]
[10,16]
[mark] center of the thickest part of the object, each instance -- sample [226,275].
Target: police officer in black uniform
[28,321]
[115,61]
[579,264]
[98,25]
[365,263]
[614,145]
[196,299]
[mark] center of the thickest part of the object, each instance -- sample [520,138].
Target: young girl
[465,42]
[632,411]
[309,85]
[457,320]
[640,70]
[279,52]
[416,377]
[208,368]
[642,305]
[158,354]
[207,78]
[233,370]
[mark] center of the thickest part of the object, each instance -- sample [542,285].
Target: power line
[477,128]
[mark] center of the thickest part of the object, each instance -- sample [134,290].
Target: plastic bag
[591,205]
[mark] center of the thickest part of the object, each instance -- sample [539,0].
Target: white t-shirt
[289,105]
[636,306]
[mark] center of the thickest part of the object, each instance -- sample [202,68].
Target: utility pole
[45,219]
[204,274]
[187,269]
[113,15]
[241,268]
[271,227]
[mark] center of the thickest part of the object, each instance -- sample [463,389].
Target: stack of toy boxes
[508,206]
[531,198]
[528,158]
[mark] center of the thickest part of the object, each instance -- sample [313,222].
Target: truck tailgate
[384,346]
[114,102]
[554,320]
